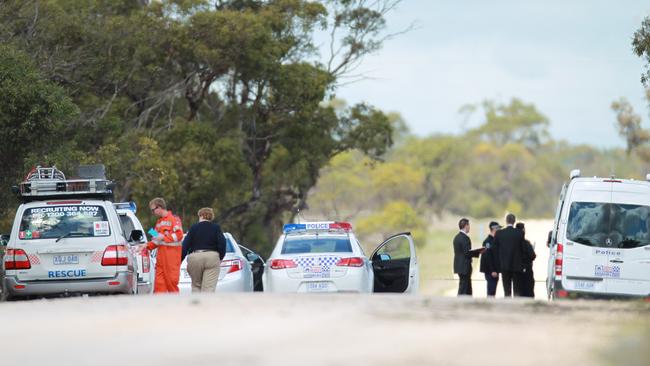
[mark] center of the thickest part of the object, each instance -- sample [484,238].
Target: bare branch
[361,40]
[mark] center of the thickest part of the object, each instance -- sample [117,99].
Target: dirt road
[256,329]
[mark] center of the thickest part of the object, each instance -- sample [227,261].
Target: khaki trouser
[204,268]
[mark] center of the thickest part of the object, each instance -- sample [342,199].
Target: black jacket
[509,243]
[489,258]
[529,254]
[204,235]
[462,254]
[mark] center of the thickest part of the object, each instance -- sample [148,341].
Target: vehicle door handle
[616,261]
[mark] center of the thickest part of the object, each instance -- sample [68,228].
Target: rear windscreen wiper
[629,243]
[72,233]
[584,241]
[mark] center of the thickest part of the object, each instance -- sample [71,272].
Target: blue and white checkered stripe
[325,261]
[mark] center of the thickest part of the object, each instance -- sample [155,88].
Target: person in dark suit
[463,258]
[528,277]
[489,260]
[509,243]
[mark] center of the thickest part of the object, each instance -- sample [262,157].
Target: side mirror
[252,257]
[383,257]
[136,235]
[4,240]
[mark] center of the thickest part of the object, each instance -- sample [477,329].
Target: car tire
[4,296]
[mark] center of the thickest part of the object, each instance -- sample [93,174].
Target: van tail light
[115,255]
[559,256]
[234,264]
[146,261]
[350,262]
[16,259]
[283,263]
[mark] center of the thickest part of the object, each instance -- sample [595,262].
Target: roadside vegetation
[232,104]
[205,103]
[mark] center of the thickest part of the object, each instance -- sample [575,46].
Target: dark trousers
[465,284]
[492,283]
[511,283]
[528,282]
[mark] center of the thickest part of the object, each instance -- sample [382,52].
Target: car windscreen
[316,244]
[610,225]
[63,221]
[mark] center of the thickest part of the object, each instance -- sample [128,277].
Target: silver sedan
[236,271]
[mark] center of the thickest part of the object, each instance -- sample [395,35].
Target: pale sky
[570,58]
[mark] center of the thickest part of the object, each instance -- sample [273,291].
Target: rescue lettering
[67,273]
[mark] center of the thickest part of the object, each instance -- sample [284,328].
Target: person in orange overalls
[169,243]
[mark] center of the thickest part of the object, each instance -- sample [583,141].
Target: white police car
[327,257]
[66,239]
[134,232]
[600,245]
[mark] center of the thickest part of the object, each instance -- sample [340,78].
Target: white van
[66,239]
[600,245]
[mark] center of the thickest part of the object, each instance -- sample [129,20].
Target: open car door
[395,265]
[257,267]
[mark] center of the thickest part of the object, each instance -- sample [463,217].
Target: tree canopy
[205,103]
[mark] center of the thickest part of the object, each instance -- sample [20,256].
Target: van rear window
[63,221]
[609,225]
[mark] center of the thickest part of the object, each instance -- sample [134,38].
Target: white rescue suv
[66,238]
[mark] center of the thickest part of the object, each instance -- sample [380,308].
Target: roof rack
[44,182]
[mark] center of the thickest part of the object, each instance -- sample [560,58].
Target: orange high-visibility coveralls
[168,259]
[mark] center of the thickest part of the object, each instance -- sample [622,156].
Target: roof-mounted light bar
[318,226]
[126,206]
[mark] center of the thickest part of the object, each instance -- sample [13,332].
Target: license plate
[585,285]
[66,259]
[318,286]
